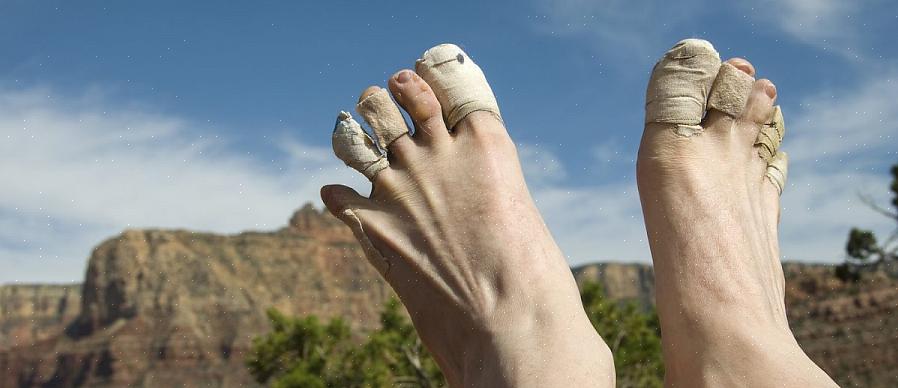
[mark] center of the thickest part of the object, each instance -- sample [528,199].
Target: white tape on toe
[383,116]
[457,81]
[771,135]
[778,170]
[730,90]
[355,148]
[678,90]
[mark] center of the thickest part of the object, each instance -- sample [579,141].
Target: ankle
[535,351]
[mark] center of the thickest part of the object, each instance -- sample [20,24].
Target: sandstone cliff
[179,308]
[630,282]
[169,308]
[35,312]
[848,329]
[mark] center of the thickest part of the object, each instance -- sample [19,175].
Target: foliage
[633,336]
[863,249]
[304,352]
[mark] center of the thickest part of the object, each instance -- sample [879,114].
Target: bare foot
[451,226]
[710,196]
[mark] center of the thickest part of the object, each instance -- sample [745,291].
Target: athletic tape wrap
[355,148]
[730,90]
[771,135]
[383,116]
[778,170]
[457,81]
[680,83]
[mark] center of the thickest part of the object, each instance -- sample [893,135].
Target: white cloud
[595,223]
[541,165]
[841,145]
[78,170]
[628,27]
[645,28]
[590,222]
[836,26]
[846,124]
[812,20]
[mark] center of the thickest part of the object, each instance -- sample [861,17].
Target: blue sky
[217,116]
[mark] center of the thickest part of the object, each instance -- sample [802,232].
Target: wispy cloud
[626,27]
[591,222]
[840,144]
[813,21]
[839,124]
[644,28]
[843,28]
[541,165]
[76,170]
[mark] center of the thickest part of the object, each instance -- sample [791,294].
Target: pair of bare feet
[451,226]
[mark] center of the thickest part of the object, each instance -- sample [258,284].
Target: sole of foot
[710,175]
[450,224]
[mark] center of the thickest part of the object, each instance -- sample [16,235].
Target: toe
[730,92]
[777,172]
[770,136]
[742,64]
[759,106]
[355,148]
[353,209]
[678,89]
[774,183]
[339,198]
[459,85]
[384,119]
[419,100]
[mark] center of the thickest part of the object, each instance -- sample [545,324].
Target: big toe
[461,88]
[681,80]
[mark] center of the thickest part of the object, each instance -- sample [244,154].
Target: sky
[216,116]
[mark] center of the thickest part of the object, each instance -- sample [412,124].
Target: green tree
[863,249]
[304,352]
[633,336]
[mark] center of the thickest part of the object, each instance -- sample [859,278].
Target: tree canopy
[308,352]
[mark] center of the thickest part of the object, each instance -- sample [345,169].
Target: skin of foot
[711,216]
[467,252]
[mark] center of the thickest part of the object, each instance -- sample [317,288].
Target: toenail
[404,76]
[770,90]
[743,65]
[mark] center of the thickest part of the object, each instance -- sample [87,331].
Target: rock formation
[34,312]
[169,308]
[848,329]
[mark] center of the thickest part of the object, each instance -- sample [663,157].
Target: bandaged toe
[778,170]
[678,89]
[458,83]
[730,90]
[355,148]
[771,135]
[383,116]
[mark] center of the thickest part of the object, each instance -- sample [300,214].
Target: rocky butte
[180,308]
